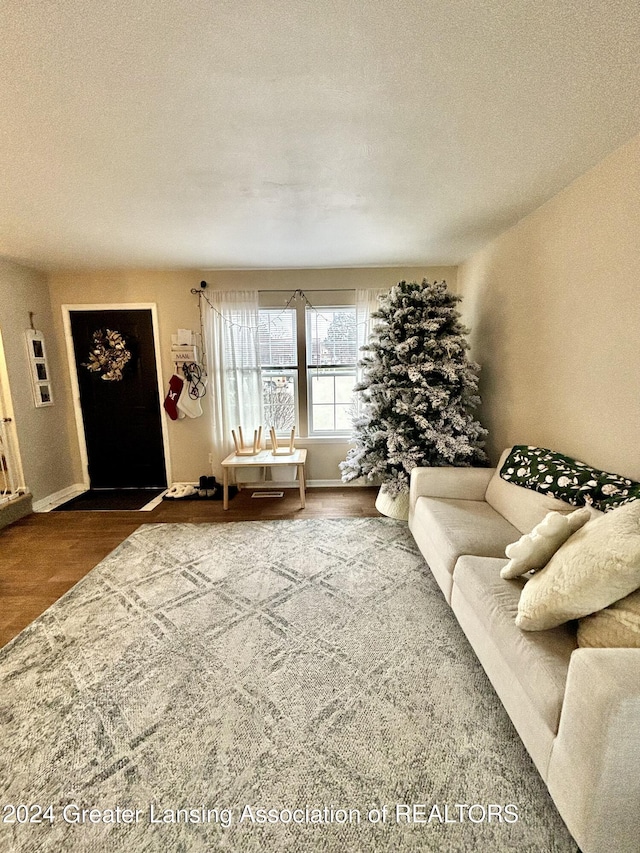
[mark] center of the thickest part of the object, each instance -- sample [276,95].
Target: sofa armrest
[449,482]
[594,770]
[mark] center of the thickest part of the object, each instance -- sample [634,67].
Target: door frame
[7,413]
[75,387]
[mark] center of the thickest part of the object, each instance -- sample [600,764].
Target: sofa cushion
[534,550]
[617,626]
[538,662]
[456,527]
[595,567]
[523,508]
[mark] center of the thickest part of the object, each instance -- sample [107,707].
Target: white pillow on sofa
[535,549]
[596,566]
[617,626]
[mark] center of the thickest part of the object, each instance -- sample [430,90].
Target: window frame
[317,299]
[288,369]
[333,369]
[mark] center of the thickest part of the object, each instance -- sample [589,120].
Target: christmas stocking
[188,405]
[176,384]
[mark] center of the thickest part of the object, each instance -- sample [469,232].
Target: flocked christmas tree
[417,392]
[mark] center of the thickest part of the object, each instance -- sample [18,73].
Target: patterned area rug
[261,686]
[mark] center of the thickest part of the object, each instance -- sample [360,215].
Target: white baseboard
[332,484]
[154,502]
[294,484]
[54,500]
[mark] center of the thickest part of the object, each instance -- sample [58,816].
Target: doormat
[97,500]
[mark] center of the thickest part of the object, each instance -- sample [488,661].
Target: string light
[298,293]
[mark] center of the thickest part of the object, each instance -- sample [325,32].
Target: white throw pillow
[596,566]
[617,626]
[535,549]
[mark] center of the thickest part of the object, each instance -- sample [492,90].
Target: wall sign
[40,379]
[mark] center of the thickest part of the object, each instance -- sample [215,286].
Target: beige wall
[189,442]
[554,306]
[42,433]
[552,303]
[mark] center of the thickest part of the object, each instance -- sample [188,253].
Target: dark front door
[121,405]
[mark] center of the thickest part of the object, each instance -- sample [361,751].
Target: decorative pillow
[596,566]
[550,473]
[616,626]
[535,549]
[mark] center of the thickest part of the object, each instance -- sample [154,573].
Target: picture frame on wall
[40,377]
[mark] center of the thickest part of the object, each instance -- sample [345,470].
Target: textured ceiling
[272,133]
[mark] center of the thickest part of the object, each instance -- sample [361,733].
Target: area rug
[101,500]
[261,686]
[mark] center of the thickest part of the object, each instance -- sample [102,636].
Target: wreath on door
[108,355]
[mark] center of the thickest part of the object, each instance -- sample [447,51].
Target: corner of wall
[555,319]
[42,432]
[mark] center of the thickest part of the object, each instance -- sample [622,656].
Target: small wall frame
[40,377]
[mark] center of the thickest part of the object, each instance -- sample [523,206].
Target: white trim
[345,439]
[154,502]
[58,498]
[6,411]
[332,484]
[11,497]
[75,393]
[294,484]
[316,484]
[73,373]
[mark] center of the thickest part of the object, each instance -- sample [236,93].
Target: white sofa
[577,710]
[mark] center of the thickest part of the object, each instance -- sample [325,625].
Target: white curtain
[366,303]
[233,365]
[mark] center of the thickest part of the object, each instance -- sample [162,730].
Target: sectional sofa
[577,710]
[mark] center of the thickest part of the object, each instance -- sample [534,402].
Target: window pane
[331,399]
[344,418]
[323,418]
[331,336]
[279,399]
[277,337]
[344,388]
[322,389]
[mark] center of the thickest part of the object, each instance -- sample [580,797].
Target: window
[331,368]
[308,357]
[279,362]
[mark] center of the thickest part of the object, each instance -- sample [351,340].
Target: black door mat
[109,499]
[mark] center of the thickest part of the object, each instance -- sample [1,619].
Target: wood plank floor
[45,554]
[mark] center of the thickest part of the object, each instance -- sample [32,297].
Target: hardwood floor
[45,554]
